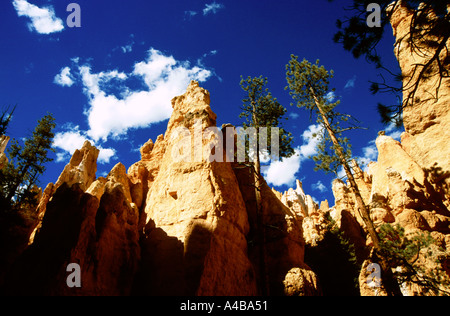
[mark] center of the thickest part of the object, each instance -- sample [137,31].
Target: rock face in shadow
[99,235]
[38,270]
[175,223]
[280,262]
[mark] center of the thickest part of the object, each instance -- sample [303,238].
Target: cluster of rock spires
[170,227]
[163,227]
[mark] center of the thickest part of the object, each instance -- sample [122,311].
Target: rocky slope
[173,224]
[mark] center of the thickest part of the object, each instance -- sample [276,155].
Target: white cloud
[341,174]
[351,83]
[284,172]
[114,108]
[311,138]
[106,154]
[129,47]
[370,151]
[213,8]
[93,83]
[319,186]
[394,132]
[280,173]
[64,78]
[369,154]
[200,60]
[330,96]
[164,78]
[74,139]
[155,67]
[68,142]
[43,20]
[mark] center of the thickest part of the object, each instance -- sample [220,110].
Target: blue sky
[111,80]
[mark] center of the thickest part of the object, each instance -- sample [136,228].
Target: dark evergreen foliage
[19,178]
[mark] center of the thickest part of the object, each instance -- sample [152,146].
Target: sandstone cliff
[401,194]
[175,223]
[397,191]
[427,119]
[408,185]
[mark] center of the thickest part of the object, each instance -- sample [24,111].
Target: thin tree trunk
[390,283]
[259,212]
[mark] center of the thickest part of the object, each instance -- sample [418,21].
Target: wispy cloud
[127,48]
[350,83]
[369,154]
[394,132]
[43,20]
[188,15]
[319,186]
[213,8]
[205,55]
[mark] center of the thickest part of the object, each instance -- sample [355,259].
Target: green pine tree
[262,110]
[309,87]
[410,252]
[26,163]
